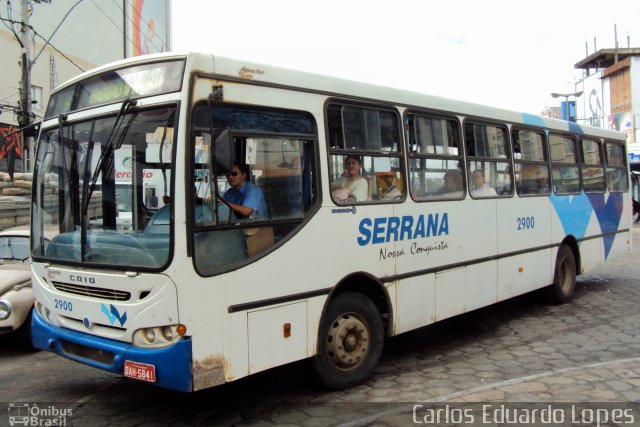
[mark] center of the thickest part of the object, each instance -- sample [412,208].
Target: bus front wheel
[350,342]
[564,278]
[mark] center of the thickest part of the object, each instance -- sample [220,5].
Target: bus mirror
[223,151]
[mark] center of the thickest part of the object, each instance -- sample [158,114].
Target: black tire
[564,279]
[350,341]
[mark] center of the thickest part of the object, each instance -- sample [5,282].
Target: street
[521,350]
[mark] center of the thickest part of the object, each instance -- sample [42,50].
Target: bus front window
[99,190]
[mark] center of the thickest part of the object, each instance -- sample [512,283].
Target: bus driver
[244,198]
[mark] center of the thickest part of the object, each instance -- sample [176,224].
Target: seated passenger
[452,185]
[480,187]
[351,187]
[388,189]
[543,185]
[244,198]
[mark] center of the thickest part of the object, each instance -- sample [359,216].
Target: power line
[113,23]
[45,40]
[56,49]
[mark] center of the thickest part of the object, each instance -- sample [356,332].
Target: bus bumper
[172,364]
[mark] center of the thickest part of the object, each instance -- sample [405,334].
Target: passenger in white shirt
[480,188]
[351,187]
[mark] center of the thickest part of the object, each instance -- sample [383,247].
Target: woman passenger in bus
[351,187]
[244,198]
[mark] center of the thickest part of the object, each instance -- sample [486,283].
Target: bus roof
[270,75]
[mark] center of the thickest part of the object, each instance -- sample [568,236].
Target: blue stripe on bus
[531,119]
[575,212]
[609,214]
[575,128]
[172,363]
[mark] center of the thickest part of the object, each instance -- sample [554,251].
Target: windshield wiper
[107,153]
[109,146]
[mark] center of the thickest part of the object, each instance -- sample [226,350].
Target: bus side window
[364,141]
[617,175]
[280,168]
[488,151]
[436,168]
[565,171]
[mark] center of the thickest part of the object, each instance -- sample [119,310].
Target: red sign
[139,371]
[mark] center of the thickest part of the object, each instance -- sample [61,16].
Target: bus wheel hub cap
[348,342]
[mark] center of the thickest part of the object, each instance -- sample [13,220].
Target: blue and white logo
[113,314]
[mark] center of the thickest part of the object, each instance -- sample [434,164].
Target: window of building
[489,167]
[36,98]
[565,171]
[436,169]
[364,150]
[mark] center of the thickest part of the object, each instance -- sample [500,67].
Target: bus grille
[89,291]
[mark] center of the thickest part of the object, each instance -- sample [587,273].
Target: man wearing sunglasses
[244,198]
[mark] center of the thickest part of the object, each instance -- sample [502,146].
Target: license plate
[139,371]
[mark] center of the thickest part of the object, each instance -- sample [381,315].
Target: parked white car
[16,295]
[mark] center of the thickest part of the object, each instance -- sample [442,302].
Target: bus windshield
[102,190]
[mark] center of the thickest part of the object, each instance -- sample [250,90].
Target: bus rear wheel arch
[350,341]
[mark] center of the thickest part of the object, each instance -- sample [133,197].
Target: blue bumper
[172,363]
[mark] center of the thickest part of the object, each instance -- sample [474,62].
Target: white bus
[193,295]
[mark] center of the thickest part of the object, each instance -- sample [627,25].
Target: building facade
[611,92]
[67,38]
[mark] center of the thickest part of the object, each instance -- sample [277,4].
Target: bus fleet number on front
[63,305]
[525,223]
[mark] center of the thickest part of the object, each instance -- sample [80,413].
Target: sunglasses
[230,174]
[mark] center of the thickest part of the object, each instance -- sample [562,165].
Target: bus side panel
[416,304]
[527,272]
[315,308]
[620,244]
[481,285]
[525,224]
[591,254]
[277,336]
[236,345]
[468,238]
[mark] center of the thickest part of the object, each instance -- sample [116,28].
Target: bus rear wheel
[350,342]
[564,278]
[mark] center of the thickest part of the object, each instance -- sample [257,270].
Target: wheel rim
[348,342]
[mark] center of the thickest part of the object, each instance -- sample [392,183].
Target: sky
[507,54]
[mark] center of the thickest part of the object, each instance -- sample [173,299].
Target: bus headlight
[158,336]
[5,310]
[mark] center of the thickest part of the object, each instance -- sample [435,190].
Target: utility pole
[24,118]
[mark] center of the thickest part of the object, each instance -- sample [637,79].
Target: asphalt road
[521,350]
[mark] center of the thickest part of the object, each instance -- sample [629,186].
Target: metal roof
[604,58]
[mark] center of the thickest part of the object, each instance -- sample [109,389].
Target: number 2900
[526,222]
[63,305]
